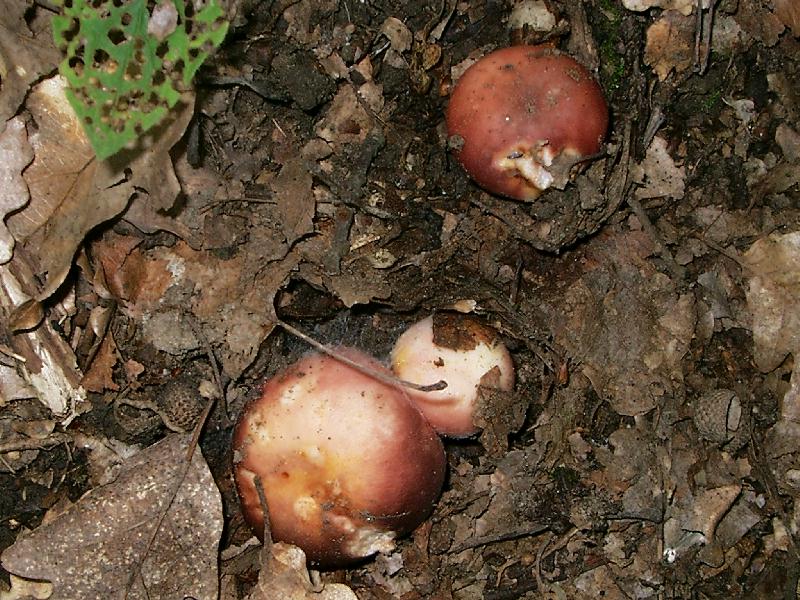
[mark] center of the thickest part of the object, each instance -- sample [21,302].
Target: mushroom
[521,118]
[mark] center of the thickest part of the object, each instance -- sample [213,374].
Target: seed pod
[717,415]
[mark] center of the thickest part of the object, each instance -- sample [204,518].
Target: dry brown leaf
[758,21]
[789,141]
[71,192]
[670,44]
[296,203]
[625,324]
[13,385]
[15,155]
[657,174]
[358,283]
[154,531]
[153,173]
[232,298]
[109,254]
[346,122]
[773,296]
[100,374]
[284,575]
[24,56]
[788,11]
[48,363]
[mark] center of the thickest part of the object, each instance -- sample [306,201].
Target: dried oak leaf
[773,296]
[15,155]
[100,374]
[71,192]
[284,575]
[670,44]
[296,204]
[358,283]
[154,175]
[788,11]
[24,56]
[232,298]
[758,21]
[152,533]
[624,322]
[657,174]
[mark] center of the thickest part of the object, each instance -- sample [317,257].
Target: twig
[198,429]
[537,572]
[704,21]
[54,439]
[715,246]
[201,337]
[368,371]
[485,540]
[654,123]
[262,500]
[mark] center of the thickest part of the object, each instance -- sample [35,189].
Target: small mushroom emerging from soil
[464,353]
[521,118]
[347,463]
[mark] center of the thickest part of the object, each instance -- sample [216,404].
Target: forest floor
[652,308]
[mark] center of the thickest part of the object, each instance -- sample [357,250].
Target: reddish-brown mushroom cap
[520,118]
[347,463]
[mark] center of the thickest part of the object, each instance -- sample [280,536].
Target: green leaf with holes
[128,61]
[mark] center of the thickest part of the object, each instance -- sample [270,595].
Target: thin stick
[54,439]
[486,540]
[375,374]
[201,337]
[262,500]
[198,429]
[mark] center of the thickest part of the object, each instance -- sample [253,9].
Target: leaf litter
[651,446]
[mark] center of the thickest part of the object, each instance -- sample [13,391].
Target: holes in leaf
[126,19]
[133,72]
[97,4]
[162,50]
[158,78]
[76,65]
[116,36]
[100,57]
[72,31]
